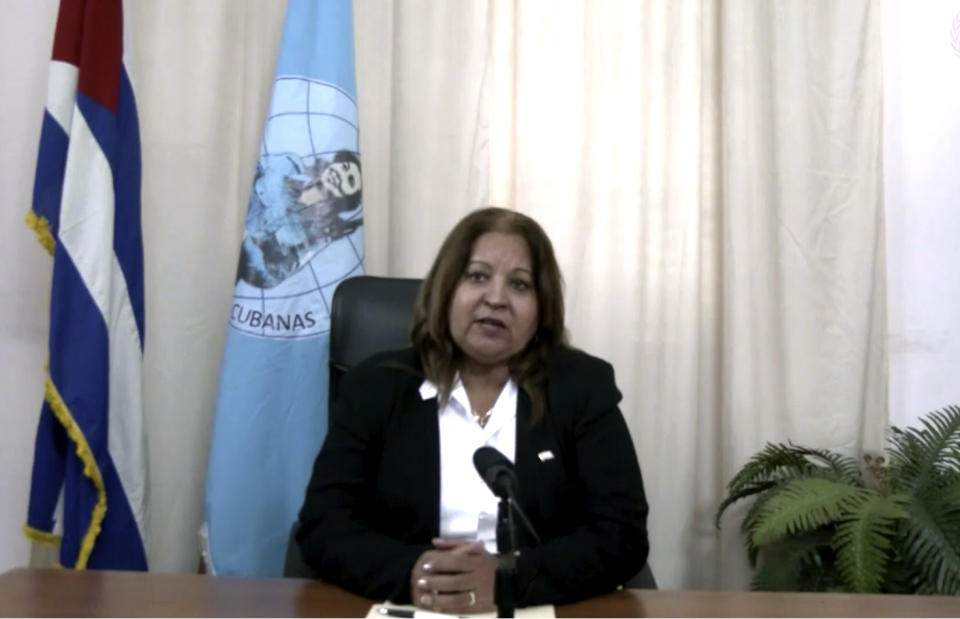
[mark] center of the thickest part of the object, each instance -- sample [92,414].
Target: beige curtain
[709,173]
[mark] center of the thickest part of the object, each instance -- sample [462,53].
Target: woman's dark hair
[430,328]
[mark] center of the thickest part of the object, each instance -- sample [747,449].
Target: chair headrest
[370,315]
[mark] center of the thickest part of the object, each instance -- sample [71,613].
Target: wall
[922,194]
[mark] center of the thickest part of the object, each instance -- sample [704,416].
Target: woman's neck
[483,384]
[475,375]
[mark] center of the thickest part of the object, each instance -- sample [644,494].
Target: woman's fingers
[446,583]
[460,580]
[457,544]
[455,577]
[461,603]
[463,558]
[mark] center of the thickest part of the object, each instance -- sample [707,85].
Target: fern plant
[821,522]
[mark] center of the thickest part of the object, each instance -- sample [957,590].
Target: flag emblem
[304,216]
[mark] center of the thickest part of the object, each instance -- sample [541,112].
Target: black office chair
[642,580]
[370,315]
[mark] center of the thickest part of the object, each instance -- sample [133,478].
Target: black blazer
[373,502]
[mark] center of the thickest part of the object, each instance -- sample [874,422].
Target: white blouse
[468,509]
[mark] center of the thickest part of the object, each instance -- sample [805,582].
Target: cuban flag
[303,235]
[88,489]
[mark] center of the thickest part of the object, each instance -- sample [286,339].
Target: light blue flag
[304,234]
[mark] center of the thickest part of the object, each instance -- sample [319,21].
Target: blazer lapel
[526,463]
[424,461]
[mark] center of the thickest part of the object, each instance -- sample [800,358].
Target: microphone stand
[507,561]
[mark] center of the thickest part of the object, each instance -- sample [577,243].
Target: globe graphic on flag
[304,226]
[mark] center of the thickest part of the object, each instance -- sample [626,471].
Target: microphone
[496,470]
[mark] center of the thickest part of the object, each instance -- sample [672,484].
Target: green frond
[814,523]
[842,466]
[794,563]
[948,488]
[863,540]
[779,464]
[931,540]
[765,465]
[742,494]
[917,453]
[788,476]
[803,505]
[901,578]
[750,520]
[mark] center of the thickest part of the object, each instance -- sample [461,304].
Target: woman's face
[494,310]
[341,179]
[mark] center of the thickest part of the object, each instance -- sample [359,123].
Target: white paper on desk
[547,610]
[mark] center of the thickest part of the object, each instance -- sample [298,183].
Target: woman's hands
[455,577]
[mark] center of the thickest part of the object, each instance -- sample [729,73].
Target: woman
[395,508]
